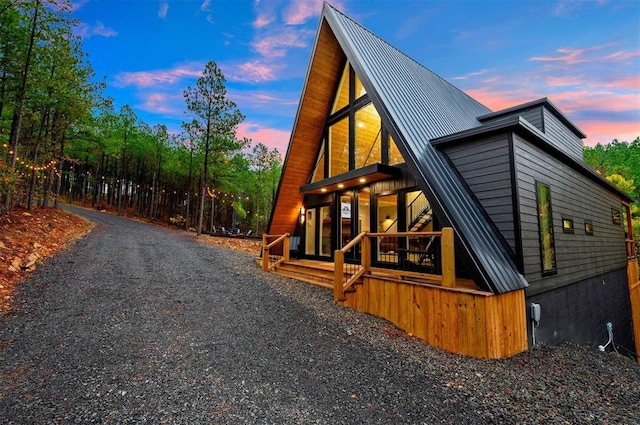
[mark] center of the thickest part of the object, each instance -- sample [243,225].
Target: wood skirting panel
[471,323]
[634,296]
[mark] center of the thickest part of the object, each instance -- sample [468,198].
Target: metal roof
[417,106]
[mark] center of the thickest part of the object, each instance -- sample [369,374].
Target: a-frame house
[415,202]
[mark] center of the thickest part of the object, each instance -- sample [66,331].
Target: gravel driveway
[142,324]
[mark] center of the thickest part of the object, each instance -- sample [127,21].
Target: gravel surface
[141,324]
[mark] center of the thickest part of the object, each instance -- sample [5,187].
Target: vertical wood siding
[485,166]
[578,256]
[475,324]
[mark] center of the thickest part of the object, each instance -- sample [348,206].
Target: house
[481,232]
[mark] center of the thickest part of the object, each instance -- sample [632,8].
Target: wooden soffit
[366,175]
[319,88]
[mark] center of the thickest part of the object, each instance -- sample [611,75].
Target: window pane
[339,148]
[545,223]
[419,214]
[360,91]
[318,173]
[394,154]
[368,136]
[342,94]
[388,223]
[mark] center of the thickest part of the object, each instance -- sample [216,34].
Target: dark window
[545,224]
[588,228]
[567,225]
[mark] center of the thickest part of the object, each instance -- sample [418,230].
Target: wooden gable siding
[324,73]
[561,136]
[485,166]
[578,255]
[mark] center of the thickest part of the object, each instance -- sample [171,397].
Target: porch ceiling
[359,177]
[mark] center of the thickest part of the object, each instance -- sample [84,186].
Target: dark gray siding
[485,166]
[579,313]
[578,256]
[561,137]
[535,117]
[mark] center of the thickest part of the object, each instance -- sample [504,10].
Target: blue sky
[583,55]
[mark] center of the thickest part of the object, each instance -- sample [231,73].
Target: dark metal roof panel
[418,106]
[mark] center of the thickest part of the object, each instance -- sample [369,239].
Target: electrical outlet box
[535,312]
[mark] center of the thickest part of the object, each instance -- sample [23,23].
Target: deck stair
[314,272]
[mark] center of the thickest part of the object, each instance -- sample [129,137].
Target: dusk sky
[583,55]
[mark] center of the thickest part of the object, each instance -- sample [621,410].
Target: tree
[218,117]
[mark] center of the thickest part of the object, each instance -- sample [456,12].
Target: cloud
[300,11]
[573,56]
[164,8]
[204,7]
[157,78]
[271,137]
[160,103]
[471,74]
[86,31]
[256,71]
[77,5]
[276,44]
[598,131]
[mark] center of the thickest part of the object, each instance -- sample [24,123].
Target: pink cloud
[573,56]
[160,103]
[606,131]
[271,137]
[276,44]
[154,78]
[497,99]
[300,11]
[628,82]
[164,8]
[583,100]
[86,31]
[255,72]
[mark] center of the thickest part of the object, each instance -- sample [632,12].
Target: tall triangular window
[354,136]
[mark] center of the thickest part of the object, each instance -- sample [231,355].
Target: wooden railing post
[285,247]
[448,258]
[365,253]
[265,253]
[338,276]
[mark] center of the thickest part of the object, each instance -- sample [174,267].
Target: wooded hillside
[62,140]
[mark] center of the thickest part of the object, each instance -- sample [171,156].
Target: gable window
[368,136]
[545,225]
[354,137]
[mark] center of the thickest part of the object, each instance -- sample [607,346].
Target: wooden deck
[460,319]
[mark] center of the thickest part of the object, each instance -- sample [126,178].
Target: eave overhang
[366,175]
[523,127]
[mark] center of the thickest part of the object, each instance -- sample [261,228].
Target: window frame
[545,231]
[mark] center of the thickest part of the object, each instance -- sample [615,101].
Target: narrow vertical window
[545,224]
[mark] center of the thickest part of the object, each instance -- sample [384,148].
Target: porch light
[362,180]
[323,190]
[340,186]
[301,215]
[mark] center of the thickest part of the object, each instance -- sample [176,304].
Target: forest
[61,139]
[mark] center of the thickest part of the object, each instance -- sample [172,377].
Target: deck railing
[275,251]
[415,253]
[631,249]
[346,274]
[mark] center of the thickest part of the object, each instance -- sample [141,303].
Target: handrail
[277,241]
[267,263]
[354,241]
